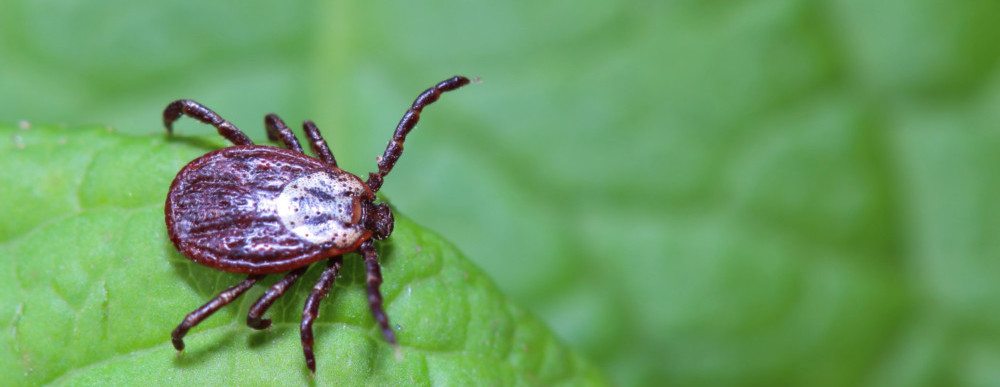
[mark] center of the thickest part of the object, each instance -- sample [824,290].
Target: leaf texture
[91,287]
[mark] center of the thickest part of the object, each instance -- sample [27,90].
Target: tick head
[378,219]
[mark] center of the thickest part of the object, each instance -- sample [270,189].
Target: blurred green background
[688,192]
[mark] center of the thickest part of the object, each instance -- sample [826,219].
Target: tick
[260,210]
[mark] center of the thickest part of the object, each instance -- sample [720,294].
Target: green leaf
[785,192]
[90,288]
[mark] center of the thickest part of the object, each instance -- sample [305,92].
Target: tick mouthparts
[379,219]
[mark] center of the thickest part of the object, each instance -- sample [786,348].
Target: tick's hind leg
[198,111]
[277,130]
[311,309]
[318,144]
[374,280]
[258,309]
[196,317]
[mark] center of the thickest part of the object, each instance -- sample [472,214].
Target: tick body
[261,210]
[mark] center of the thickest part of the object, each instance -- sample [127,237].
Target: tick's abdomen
[259,209]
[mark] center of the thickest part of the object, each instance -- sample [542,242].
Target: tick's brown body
[261,210]
[222,210]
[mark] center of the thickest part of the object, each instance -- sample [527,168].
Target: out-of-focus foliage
[769,192]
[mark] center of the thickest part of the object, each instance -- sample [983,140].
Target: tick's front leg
[395,147]
[374,280]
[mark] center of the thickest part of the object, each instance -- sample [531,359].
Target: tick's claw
[390,337]
[259,324]
[311,363]
[178,344]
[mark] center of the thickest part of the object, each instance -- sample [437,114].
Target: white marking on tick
[319,208]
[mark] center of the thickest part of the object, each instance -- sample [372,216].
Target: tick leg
[374,280]
[311,310]
[318,144]
[277,130]
[198,111]
[195,317]
[409,120]
[263,303]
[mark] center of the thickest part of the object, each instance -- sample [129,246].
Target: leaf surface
[91,287]
[787,192]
